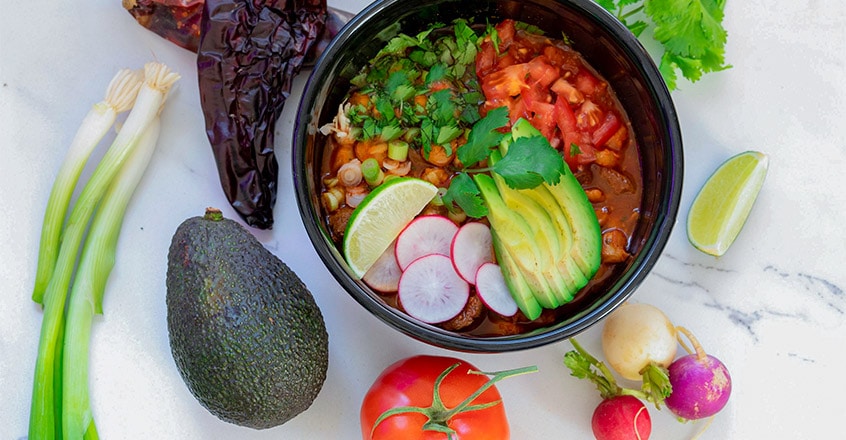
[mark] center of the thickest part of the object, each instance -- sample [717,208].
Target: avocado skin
[245,333]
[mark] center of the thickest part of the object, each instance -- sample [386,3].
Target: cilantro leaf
[690,31]
[484,135]
[464,193]
[529,162]
[436,73]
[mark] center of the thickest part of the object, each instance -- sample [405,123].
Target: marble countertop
[772,308]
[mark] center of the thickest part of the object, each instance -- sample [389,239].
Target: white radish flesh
[471,248]
[637,335]
[493,291]
[428,234]
[431,291]
[385,273]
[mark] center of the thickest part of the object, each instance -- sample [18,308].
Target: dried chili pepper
[178,21]
[249,53]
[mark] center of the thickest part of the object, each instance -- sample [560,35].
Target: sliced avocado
[517,237]
[543,231]
[587,236]
[577,209]
[517,285]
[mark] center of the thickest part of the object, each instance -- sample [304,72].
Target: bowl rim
[617,293]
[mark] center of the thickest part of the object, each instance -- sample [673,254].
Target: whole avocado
[246,334]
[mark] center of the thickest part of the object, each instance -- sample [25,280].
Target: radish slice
[470,249]
[431,291]
[385,273]
[493,291]
[428,234]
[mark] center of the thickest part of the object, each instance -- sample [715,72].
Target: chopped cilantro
[437,72]
[575,150]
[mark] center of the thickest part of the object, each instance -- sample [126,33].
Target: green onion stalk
[86,296]
[56,339]
[120,95]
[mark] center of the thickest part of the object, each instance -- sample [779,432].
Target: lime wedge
[720,209]
[380,217]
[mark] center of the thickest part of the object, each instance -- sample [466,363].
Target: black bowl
[605,43]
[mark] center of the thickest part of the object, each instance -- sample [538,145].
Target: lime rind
[380,217]
[722,206]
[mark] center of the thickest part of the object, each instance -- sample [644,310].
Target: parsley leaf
[529,162]
[464,193]
[484,136]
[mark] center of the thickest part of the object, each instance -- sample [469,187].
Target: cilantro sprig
[690,32]
[529,162]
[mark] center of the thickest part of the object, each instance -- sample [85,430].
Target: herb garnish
[529,162]
[425,83]
[690,31]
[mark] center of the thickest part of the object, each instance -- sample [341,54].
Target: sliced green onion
[398,150]
[120,96]
[45,414]
[438,200]
[372,172]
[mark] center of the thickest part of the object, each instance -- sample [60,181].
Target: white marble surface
[772,308]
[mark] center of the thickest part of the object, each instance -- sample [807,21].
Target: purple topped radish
[701,383]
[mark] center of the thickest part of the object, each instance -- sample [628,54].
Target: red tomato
[411,382]
[608,128]
[506,82]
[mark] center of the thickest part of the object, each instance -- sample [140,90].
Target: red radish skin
[431,291]
[701,387]
[471,248]
[385,273]
[425,235]
[621,418]
[493,291]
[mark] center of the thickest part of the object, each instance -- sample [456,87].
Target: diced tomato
[541,72]
[543,118]
[506,82]
[506,31]
[565,118]
[507,60]
[588,116]
[606,129]
[567,60]
[578,152]
[485,59]
[567,91]
[517,109]
[586,83]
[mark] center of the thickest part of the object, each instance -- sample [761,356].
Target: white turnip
[701,384]
[637,336]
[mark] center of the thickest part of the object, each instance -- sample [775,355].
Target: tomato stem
[439,415]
